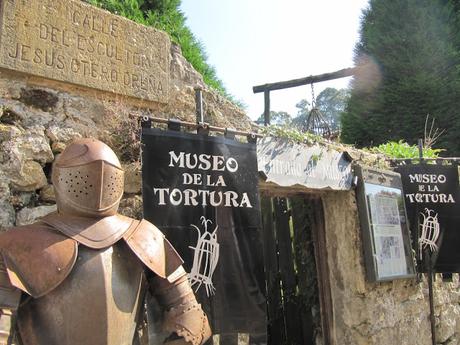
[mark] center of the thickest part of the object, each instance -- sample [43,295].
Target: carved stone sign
[74,42]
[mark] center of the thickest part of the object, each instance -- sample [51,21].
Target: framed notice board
[385,232]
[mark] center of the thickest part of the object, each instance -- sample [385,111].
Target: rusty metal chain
[313,100]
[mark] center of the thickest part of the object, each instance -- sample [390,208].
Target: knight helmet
[88,179]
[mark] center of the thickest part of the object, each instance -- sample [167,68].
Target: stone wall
[389,313]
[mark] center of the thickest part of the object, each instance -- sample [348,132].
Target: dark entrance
[298,292]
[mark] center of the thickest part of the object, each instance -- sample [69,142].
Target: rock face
[40,116]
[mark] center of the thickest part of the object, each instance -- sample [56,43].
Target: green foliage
[165,15]
[412,48]
[291,134]
[401,149]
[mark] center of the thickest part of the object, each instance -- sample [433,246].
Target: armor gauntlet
[183,318]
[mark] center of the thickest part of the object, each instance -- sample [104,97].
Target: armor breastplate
[97,304]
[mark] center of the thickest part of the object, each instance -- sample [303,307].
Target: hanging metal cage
[317,123]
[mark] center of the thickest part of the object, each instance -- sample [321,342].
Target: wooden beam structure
[266,88]
[346,72]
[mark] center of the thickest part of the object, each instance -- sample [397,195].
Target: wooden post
[302,215]
[267,108]
[276,334]
[199,105]
[431,297]
[286,268]
[324,284]
[429,265]
[420,150]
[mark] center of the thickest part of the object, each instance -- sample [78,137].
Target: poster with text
[432,200]
[202,192]
[385,216]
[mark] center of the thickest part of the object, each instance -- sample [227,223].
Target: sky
[253,42]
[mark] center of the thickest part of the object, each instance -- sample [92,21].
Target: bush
[401,149]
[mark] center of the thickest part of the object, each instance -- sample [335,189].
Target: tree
[331,102]
[280,118]
[299,122]
[412,53]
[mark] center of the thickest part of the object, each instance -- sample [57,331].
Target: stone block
[133,178]
[62,134]
[7,214]
[8,132]
[10,87]
[33,145]
[446,327]
[30,215]
[21,199]
[131,207]
[58,147]
[47,193]
[17,112]
[30,178]
[40,98]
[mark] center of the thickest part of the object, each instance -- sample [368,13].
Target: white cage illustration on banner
[205,258]
[429,231]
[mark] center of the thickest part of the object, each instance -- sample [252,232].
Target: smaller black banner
[432,195]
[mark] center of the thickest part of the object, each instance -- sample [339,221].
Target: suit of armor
[79,276]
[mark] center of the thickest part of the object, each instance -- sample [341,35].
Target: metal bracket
[202,128]
[252,138]
[146,122]
[229,133]
[174,125]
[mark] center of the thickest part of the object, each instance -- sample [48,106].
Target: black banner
[202,192]
[432,202]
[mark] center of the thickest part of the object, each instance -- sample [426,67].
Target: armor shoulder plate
[153,249]
[95,233]
[37,259]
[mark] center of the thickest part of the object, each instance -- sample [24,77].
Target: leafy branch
[401,149]
[291,134]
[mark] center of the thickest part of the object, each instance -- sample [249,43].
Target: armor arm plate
[183,315]
[153,249]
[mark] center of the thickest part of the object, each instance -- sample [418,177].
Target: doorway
[299,306]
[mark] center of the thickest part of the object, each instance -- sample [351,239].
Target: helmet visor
[96,186]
